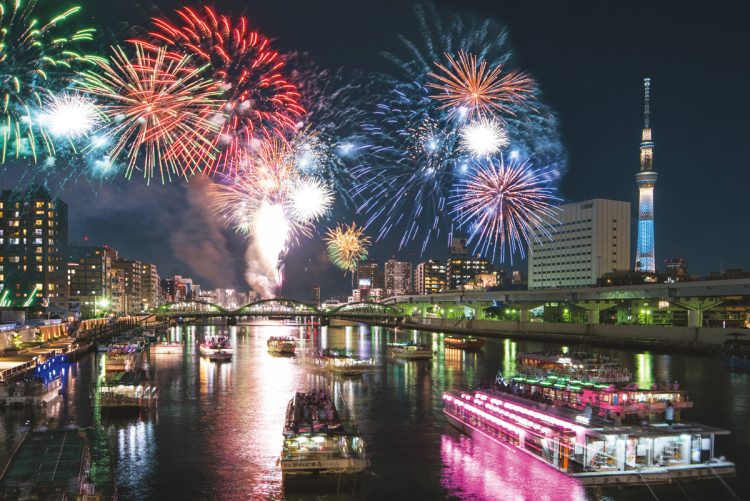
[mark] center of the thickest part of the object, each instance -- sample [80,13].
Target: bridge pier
[593,308]
[695,308]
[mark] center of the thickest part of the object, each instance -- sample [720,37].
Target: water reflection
[477,468]
[218,433]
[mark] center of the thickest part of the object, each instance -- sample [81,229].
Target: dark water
[217,431]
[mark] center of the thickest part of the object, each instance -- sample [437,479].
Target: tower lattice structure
[646,180]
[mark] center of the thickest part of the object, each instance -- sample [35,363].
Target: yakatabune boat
[463,343]
[216,347]
[281,345]
[337,362]
[410,351]
[49,464]
[600,434]
[315,441]
[579,365]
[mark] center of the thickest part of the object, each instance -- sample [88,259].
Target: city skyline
[601,162]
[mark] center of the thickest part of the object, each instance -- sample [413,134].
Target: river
[217,431]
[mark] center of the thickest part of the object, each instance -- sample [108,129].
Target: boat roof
[599,426]
[47,459]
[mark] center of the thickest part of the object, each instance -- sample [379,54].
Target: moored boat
[120,357]
[167,348]
[216,347]
[281,345]
[49,464]
[337,362]
[409,351]
[463,343]
[316,442]
[580,366]
[600,434]
[126,391]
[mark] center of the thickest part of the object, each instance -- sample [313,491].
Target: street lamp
[102,303]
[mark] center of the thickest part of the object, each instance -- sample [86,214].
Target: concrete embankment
[666,338]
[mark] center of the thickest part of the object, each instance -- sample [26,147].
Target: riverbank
[656,338]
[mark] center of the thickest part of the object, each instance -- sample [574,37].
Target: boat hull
[282,349]
[465,344]
[412,355]
[167,349]
[323,466]
[216,355]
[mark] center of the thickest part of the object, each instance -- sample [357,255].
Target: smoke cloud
[198,242]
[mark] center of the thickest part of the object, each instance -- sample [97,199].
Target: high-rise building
[150,293]
[315,295]
[398,278]
[676,268]
[461,270]
[586,240]
[33,236]
[430,277]
[168,289]
[90,279]
[368,275]
[118,302]
[645,259]
[458,245]
[132,271]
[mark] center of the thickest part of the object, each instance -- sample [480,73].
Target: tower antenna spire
[646,102]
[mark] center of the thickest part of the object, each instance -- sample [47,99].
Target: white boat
[281,345]
[409,351]
[167,348]
[316,443]
[216,347]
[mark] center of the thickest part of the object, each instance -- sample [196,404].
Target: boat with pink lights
[216,347]
[315,440]
[601,435]
[409,351]
[281,345]
[582,366]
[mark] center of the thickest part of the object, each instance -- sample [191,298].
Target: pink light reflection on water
[477,468]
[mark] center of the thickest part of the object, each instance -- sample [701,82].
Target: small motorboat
[463,343]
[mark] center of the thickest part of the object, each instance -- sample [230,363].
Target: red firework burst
[260,102]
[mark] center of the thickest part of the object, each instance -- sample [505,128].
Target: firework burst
[310,199]
[465,84]
[36,61]
[160,112]
[347,245]
[504,206]
[483,137]
[260,102]
[70,115]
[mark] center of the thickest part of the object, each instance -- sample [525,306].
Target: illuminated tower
[646,179]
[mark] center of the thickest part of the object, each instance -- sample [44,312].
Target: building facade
[398,278]
[132,271]
[90,280]
[588,240]
[150,290]
[33,236]
[461,270]
[368,275]
[645,259]
[430,277]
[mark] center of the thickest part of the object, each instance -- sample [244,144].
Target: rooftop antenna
[646,104]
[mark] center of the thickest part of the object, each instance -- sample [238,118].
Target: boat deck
[48,461]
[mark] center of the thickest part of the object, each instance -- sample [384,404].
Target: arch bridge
[280,308]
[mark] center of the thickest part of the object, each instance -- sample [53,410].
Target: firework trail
[259,102]
[160,112]
[418,150]
[471,87]
[504,206]
[37,60]
[274,205]
[347,245]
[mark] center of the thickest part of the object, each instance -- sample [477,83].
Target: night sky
[589,59]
